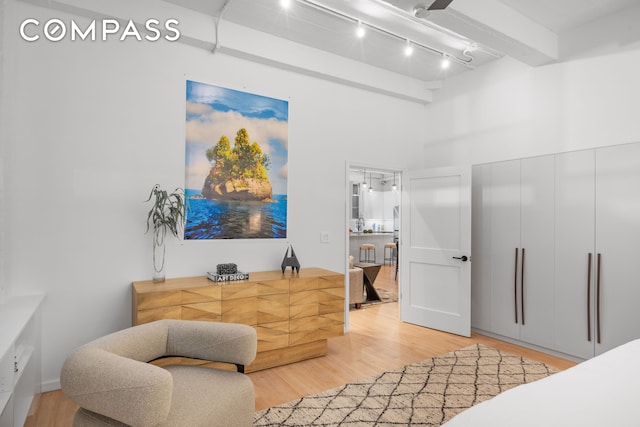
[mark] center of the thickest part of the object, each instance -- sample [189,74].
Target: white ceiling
[563,15]
[528,30]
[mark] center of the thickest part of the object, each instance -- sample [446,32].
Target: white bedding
[602,391]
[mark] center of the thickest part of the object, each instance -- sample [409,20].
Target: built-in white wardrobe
[556,249]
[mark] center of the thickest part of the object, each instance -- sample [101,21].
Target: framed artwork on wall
[236,167]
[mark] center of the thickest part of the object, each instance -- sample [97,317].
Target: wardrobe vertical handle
[522,288]
[589,298]
[515,286]
[598,299]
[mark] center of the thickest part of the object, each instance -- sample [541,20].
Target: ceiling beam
[493,24]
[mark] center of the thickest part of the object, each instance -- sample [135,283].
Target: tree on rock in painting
[238,173]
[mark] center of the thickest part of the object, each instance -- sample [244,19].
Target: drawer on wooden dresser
[318,301]
[153,314]
[240,310]
[331,301]
[322,282]
[202,294]
[272,287]
[272,335]
[313,328]
[273,308]
[239,290]
[332,324]
[158,299]
[210,311]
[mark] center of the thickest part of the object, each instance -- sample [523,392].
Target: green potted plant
[167,214]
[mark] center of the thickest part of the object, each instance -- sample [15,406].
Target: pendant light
[364,178]
[394,187]
[370,183]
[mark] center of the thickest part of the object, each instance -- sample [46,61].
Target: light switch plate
[324,237]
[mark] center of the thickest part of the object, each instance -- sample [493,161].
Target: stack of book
[227,277]
[226,273]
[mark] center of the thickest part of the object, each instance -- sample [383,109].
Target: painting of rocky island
[236,164]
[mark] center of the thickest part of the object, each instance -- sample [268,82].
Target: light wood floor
[377,342]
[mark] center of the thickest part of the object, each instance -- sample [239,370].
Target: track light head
[408,49]
[360,31]
[446,62]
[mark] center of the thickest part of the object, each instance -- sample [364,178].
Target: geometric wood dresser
[293,313]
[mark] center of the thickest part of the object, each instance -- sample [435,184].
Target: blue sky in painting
[247,104]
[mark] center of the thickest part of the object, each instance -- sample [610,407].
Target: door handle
[462,258]
[598,299]
[589,298]
[515,286]
[522,288]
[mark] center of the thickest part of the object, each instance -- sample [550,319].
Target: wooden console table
[293,313]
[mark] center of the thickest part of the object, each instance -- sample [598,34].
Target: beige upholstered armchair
[356,284]
[113,384]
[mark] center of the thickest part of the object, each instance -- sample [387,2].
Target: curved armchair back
[111,377]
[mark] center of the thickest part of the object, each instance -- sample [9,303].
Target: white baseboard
[527,345]
[51,385]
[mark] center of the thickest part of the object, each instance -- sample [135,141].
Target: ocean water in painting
[214,219]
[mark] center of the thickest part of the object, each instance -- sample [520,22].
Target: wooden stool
[391,258]
[367,248]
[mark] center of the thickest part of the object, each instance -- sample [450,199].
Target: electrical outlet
[324,237]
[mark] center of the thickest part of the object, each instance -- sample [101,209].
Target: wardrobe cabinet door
[574,253]
[505,247]
[537,233]
[481,247]
[618,245]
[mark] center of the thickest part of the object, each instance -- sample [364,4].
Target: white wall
[509,110]
[4,288]
[92,126]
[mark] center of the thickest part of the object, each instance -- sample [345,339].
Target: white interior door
[435,244]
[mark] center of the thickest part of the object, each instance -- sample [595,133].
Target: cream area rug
[426,393]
